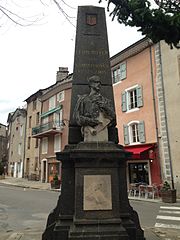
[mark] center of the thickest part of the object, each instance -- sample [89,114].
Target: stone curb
[29,186]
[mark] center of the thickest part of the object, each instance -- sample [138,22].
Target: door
[44,171]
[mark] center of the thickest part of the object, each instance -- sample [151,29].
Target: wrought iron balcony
[47,129]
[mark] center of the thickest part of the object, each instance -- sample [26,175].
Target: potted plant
[55,183]
[1,171]
[168,195]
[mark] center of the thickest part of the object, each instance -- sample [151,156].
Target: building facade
[16,142]
[168,93]
[146,84]
[134,75]
[3,147]
[52,130]
[31,161]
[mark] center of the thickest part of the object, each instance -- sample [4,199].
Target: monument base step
[98,231]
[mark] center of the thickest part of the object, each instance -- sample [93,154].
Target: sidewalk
[24,183]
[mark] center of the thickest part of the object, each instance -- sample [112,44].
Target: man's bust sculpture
[94,113]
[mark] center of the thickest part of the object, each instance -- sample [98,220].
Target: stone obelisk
[93,203]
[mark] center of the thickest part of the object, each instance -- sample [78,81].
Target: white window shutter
[139,96]
[141,132]
[44,145]
[123,102]
[126,134]
[57,143]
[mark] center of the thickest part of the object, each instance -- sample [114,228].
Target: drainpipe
[154,101]
[39,145]
[24,143]
[165,115]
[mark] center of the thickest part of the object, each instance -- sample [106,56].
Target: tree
[18,11]
[160,23]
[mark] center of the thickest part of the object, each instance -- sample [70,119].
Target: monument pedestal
[101,208]
[93,202]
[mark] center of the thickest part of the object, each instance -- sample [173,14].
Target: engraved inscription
[88,67]
[92,52]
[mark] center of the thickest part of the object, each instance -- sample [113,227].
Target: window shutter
[126,134]
[57,143]
[123,104]
[139,96]
[123,71]
[44,145]
[141,132]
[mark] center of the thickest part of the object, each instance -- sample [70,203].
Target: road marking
[163,225]
[170,212]
[172,208]
[168,218]
[15,236]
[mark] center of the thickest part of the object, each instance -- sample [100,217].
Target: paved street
[24,211]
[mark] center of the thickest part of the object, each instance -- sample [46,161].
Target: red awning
[138,149]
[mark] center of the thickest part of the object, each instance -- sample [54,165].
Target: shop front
[49,169]
[54,169]
[143,167]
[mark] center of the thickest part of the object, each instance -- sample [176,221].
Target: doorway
[44,171]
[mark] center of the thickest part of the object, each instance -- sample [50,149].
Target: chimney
[61,73]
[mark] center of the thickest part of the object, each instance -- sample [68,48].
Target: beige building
[16,142]
[52,130]
[3,146]
[31,161]
[168,91]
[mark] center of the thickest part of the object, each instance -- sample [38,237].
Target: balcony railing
[47,129]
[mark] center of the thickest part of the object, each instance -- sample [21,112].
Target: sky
[30,55]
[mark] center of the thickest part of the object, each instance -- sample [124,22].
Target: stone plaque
[97,192]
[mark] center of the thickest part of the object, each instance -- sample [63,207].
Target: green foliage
[55,178]
[166,186]
[161,23]
[1,168]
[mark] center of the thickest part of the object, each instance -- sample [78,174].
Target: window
[44,145]
[45,120]
[52,103]
[36,164]
[132,98]
[29,142]
[57,117]
[134,132]
[37,118]
[19,148]
[138,172]
[60,96]
[36,143]
[119,73]
[21,130]
[30,118]
[34,104]
[57,143]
